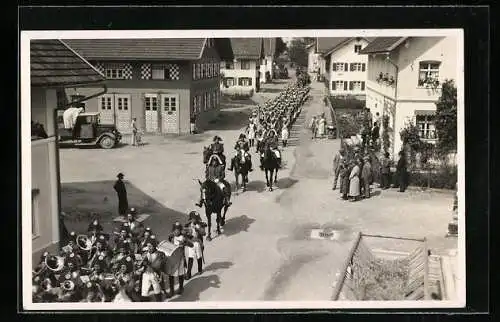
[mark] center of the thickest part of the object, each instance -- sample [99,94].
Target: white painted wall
[237,72]
[346,54]
[312,59]
[266,66]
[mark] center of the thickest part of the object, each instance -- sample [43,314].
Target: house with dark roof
[53,66]
[244,70]
[162,83]
[404,77]
[345,68]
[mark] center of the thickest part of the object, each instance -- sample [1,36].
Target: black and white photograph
[243,169]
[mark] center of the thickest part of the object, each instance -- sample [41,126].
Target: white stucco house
[54,67]
[268,61]
[404,77]
[244,70]
[346,69]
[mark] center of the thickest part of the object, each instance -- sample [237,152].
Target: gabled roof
[325,44]
[139,49]
[345,41]
[247,48]
[269,46]
[383,45]
[54,64]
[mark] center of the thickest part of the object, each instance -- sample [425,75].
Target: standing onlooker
[361,181]
[284,135]
[121,191]
[366,175]
[375,135]
[337,162]
[402,171]
[378,119]
[321,126]
[354,181]
[385,171]
[313,127]
[192,124]
[134,132]
[344,172]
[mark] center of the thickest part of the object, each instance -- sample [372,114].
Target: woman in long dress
[322,126]
[354,188]
[284,135]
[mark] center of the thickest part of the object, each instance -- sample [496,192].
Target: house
[159,82]
[316,49]
[404,74]
[346,70]
[244,70]
[53,66]
[268,61]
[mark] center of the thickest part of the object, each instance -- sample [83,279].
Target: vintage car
[89,131]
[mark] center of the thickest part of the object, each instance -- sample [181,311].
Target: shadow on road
[235,225]
[256,185]
[217,265]
[229,120]
[285,183]
[196,286]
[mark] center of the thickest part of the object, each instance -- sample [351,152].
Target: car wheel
[107,142]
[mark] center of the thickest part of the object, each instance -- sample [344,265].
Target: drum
[175,256]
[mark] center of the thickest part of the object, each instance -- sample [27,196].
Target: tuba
[54,263]
[40,269]
[68,285]
[84,243]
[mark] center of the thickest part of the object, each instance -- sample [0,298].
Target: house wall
[44,175]
[312,59]
[237,72]
[266,66]
[346,54]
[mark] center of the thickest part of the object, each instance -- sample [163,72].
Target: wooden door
[151,112]
[123,113]
[170,113]
[106,108]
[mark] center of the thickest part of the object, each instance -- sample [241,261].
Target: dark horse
[241,166]
[270,164]
[213,200]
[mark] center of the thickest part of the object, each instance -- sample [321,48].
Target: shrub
[442,177]
[348,124]
[346,102]
[386,140]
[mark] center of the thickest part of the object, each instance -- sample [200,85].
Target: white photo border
[27,36]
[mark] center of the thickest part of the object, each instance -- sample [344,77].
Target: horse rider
[195,233]
[217,148]
[216,172]
[272,142]
[242,144]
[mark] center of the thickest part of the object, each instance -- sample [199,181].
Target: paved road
[265,252]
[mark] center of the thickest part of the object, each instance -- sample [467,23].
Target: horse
[213,200]
[270,165]
[241,166]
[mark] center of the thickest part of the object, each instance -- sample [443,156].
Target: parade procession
[131,264]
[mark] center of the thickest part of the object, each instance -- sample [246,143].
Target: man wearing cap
[242,144]
[217,148]
[121,191]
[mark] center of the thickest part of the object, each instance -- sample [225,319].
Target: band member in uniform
[135,227]
[195,233]
[178,239]
[152,275]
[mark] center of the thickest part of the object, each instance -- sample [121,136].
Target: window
[357,48]
[357,86]
[428,72]
[245,81]
[169,103]
[229,81]
[114,73]
[195,104]
[339,86]
[229,65]
[245,64]
[158,72]
[151,103]
[357,67]
[194,71]
[203,71]
[217,68]
[426,127]
[35,194]
[340,67]
[198,71]
[105,103]
[207,102]
[217,97]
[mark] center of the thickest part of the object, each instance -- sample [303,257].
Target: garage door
[170,113]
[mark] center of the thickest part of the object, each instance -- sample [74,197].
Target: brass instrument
[84,243]
[68,285]
[54,263]
[40,269]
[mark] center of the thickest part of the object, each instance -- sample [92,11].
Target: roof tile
[381,44]
[246,48]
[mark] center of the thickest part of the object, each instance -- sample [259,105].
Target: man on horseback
[217,148]
[215,172]
[242,145]
[271,141]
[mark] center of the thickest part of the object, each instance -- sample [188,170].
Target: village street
[266,252]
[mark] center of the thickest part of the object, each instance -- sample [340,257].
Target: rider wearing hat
[242,144]
[217,148]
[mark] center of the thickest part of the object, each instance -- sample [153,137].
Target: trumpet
[84,243]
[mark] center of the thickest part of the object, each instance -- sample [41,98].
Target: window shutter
[346,66]
[345,86]
[363,67]
[351,86]
[362,86]
[334,86]
[352,67]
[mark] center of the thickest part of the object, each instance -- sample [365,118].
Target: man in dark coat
[402,172]
[366,175]
[121,191]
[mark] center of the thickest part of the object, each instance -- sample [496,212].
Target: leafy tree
[446,118]
[280,46]
[297,52]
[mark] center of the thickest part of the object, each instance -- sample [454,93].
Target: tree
[280,47]
[297,52]
[446,118]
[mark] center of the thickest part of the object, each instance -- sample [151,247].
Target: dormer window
[357,48]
